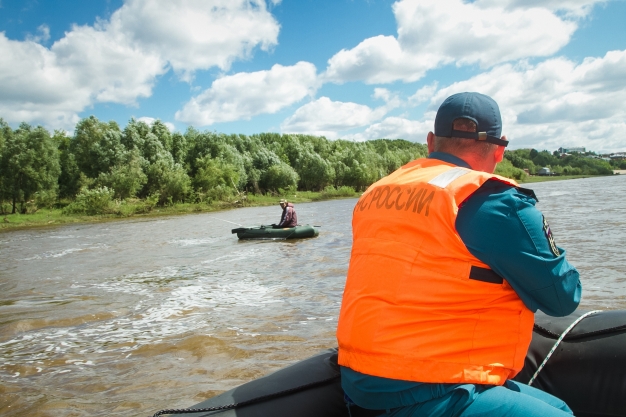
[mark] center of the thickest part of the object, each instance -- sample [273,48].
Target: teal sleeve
[377,393]
[501,226]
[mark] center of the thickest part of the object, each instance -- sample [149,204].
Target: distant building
[570,150]
[544,171]
[604,158]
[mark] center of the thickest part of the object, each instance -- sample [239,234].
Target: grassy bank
[138,209]
[542,178]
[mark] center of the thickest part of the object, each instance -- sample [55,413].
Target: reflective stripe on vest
[417,305]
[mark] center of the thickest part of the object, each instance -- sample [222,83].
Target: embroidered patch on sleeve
[550,237]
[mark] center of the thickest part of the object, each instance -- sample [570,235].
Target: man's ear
[499,154]
[430,142]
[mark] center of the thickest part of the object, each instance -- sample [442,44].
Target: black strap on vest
[485,275]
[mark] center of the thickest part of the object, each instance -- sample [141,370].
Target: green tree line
[102,162]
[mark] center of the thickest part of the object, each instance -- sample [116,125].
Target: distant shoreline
[54,217]
[543,178]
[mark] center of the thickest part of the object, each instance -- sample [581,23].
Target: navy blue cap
[479,108]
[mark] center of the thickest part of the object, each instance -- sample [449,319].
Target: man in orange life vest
[449,263]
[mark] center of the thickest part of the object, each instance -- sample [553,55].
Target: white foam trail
[65,252]
[193,242]
[167,307]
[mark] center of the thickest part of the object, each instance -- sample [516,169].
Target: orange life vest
[417,305]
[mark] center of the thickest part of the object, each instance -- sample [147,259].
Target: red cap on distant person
[479,108]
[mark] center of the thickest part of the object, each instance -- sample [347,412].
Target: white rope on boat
[571,326]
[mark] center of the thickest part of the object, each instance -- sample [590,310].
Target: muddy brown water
[130,317]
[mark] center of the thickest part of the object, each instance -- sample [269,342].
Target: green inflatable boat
[269,232]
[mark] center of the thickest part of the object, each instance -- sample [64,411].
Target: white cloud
[42,36]
[244,95]
[326,117]
[119,60]
[35,87]
[377,60]
[423,94]
[105,66]
[557,102]
[197,34]
[394,128]
[150,121]
[392,100]
[572,8]
[547,105]
[432,33]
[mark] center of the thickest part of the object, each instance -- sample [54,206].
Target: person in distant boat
[289,217]
[449,263]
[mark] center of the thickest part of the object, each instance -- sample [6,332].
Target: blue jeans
[511,400]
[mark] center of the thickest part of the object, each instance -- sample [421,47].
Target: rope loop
[571,326]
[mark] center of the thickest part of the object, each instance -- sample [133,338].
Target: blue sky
[351,69]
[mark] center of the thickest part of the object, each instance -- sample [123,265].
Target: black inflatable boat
[269,232]
[585,367]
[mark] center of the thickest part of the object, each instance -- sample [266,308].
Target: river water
[127,318]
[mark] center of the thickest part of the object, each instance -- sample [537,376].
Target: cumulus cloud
[571,8]
[119,60]
[391,99]
[43,34]
[150,121]
[556,102]
[197,34]
[432,33]
[377,60]
[424,94]
[105,66]
[394,128]
[326,117]
[244,95]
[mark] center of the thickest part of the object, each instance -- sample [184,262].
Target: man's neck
[478,163]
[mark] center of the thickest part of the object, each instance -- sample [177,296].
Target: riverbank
[541,178]
[137,208]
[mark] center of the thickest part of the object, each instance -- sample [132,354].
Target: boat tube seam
[569,337]
[571,326]
[247,402]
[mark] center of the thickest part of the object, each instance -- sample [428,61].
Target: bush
[213,173]
[506,169]
[138,206]
[169,180]
[332,192]
[219,193]
[45,198]
[125,179]
[91,202]
[279,176]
